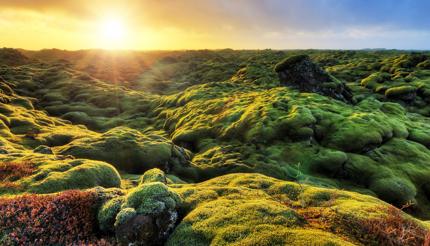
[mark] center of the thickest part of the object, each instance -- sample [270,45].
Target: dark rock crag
[301,73]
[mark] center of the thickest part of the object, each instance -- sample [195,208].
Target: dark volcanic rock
[146,216]
[301,73]
[146,230]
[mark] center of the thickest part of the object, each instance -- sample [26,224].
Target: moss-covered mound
[37,174]
[129,150]
[79,98]
[76,174]
[238,126]
[144,216]
[12,57]
[153,175]
[252,209]
[214,113]
[237,209]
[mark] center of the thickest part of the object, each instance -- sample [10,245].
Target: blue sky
[402,24]
[403,14]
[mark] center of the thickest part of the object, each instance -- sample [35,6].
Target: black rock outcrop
[301,73]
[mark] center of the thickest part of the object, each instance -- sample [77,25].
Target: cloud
[257,23]
[248,14]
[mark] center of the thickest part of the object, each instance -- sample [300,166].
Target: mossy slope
[66,129]
[250,209]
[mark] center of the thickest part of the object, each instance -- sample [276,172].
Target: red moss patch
[12,171]
[65,218]
[394,229]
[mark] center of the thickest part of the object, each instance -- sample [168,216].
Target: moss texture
[128,149]
[213,113]
[86,175]
[250,209]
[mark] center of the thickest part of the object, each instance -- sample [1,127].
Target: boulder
[145,229]
[153,175]
[129,150]
[145,216]
[405,93]
[301,73]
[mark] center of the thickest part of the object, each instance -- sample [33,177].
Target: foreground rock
[145,216]
[300,72]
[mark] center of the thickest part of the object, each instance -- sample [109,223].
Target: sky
[215,24]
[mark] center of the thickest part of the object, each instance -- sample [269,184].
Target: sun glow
[112,33]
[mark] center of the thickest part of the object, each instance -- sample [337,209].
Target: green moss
[228,109]
[128,149]
[394,190]
[235,222]
[63,135]
[124,215]
[80,118]
[6,109]
[153,175]
[108,213]
[86,175]
[357,132]
[151,198]
[425,64]
[22,102]
[374,79]
[21,125]
[421,136]
[252,209]
[400,91]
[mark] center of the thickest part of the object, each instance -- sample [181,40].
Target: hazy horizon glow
[215,24]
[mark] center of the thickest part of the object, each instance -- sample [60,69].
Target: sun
[112,33]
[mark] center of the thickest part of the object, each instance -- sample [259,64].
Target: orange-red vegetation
[11,171]
[65,218]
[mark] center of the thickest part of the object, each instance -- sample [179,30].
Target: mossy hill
[240,156]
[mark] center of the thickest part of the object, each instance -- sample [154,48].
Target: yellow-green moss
[86,175]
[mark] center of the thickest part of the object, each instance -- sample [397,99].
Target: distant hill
[122,67]
[12,57]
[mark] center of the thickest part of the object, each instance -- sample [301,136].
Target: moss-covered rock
[425,64]
[152,198]
[153,175]
[374,79]
[81,174]
[108,213]
[394,190]
[123,216]
[250,209]
[228,108]
[128,149]
[147,215]
[407,93]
